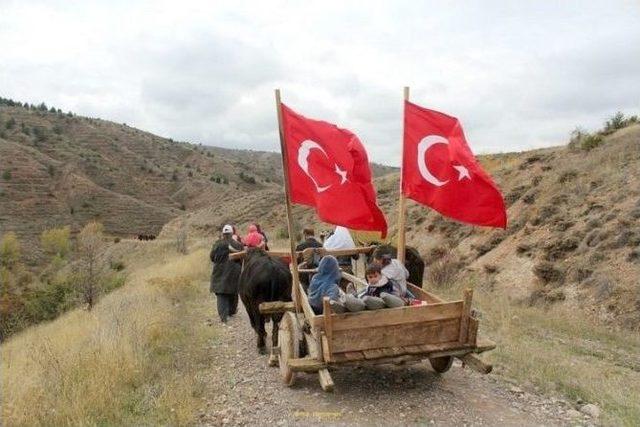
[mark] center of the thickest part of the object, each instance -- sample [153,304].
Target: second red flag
[440,171]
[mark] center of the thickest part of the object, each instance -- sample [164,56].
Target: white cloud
[518,75]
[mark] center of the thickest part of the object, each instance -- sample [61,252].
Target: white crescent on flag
[423,146]
[303,161]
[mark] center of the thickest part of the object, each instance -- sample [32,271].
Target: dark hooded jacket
[225,274]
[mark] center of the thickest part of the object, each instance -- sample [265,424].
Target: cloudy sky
[518,74]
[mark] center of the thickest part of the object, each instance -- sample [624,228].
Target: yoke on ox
[264,279]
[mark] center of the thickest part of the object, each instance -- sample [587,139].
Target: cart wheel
[288,341]
[441,364]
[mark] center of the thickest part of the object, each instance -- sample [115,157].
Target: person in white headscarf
[394,270]
[340,239]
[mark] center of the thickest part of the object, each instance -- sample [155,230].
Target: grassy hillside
[132,360]
[573,237]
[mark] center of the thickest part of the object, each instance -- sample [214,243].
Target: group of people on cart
[386,276]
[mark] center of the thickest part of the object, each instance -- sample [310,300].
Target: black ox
[264,279]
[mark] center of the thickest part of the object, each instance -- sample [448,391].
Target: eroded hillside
[573,235]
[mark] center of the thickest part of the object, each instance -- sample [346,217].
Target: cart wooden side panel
[436,324]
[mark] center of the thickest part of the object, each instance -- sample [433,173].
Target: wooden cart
[438,331]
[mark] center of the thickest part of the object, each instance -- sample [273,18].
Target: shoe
[351,289]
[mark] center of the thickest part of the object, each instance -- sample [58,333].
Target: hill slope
[573,236]
[59,169]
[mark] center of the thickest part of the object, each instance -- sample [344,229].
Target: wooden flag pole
[402,203]
[290,225]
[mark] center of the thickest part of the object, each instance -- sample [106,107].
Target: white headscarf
[340,239]
[397,272]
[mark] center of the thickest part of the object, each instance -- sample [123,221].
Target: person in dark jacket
[308,234]
[312,260]
[225,275]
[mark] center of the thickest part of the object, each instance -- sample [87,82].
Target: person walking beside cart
[229,236]
[225,274]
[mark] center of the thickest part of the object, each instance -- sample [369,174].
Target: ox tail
[274,285]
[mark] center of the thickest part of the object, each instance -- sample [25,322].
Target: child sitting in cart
[381,291]
[325,283]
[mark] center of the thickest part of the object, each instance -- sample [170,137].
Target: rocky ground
[242,390]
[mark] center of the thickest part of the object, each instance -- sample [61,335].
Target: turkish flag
[440,171]
[329,170]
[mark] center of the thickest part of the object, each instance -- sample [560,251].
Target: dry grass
[130,361]
[561,352]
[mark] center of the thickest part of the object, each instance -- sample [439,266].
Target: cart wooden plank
[474,362]
[396,316]
[420,293]
[433,332]
[484,345]
[276,307]
[306,364]
[466,314]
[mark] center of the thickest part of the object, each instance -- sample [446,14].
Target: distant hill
[62,169]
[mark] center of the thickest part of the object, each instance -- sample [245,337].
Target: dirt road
[243,390]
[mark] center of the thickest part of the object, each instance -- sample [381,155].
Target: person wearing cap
[225,274]
[228,236]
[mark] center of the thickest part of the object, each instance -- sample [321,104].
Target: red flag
[440,171]
[329,170]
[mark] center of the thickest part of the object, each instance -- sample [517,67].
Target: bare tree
[90,268]
[181,236]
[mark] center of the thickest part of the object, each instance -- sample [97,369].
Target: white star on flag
[462,171]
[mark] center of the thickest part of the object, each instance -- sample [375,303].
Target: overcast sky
[518,74]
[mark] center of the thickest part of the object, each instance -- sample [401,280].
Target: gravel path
[243,390]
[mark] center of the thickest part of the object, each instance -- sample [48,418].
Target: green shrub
[9,250]
[117,265]
[40,133]
[6,175]
[247,178]
[283,233]
[51,300]
[615,122]
[57,241]
[11,123]
[590,141]
[618,121]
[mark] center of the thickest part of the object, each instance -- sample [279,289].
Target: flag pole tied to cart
[327,168]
